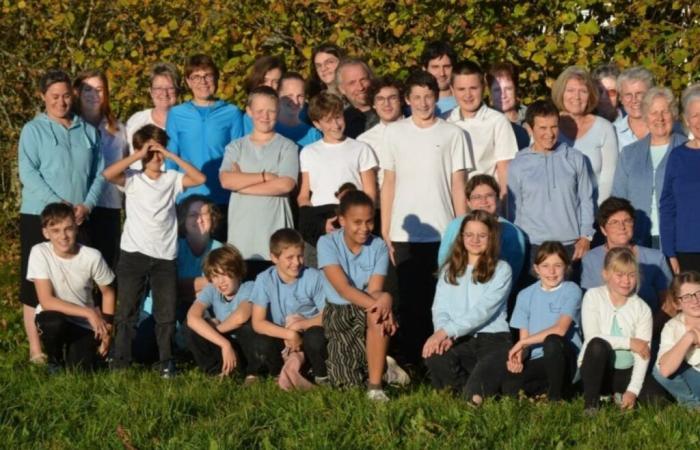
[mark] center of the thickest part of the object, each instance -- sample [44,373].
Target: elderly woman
[576,96]
[165,82]
[59,161]
[616,222]
[639,176]
[632,85]
[678,206]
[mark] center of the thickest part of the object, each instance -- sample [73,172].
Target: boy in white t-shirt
[149,241]
[73,330]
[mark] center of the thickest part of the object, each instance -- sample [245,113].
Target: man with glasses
[200,129]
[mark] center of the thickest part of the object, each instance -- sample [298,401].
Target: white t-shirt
[135,122]
[73,279]
[114,147]
[373,137]
[151,220]
[423,160]
[491,138]
[331,165]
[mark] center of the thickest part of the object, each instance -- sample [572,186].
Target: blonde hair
[578,73]
[621,258]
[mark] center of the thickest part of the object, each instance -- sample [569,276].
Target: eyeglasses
[633,96]
[690,298]
[478,197]
[202,78]
[163,90]
[389,99]
[627,223]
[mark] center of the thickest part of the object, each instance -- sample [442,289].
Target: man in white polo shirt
[425,161]
[492,140]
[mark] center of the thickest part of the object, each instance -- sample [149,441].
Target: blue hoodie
[199,135]
[59,164]
[550,195]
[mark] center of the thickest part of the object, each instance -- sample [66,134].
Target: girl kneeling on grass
[548,315]
[617,327]
[678,366]
[471,338]
[357,319]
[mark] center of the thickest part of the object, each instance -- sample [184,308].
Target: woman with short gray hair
[632,85]
[639,175]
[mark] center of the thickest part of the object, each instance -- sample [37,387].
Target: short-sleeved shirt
[654,273]
[331,165]
[423,161]
[151,219]
[305,296]
[537,309]
[253,218]
[373,259]
[73,279]
[221,306]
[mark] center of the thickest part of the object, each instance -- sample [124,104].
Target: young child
[72,329]
[286,290]
[357,319]
[617,331]
[260,169]
[548,316]
[471,338]
[678,364]
[149,241]
[219,341]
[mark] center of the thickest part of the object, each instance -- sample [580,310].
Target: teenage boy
[72,329]
[353,78]
[493,142]
[199,129]
[438,59]
[424,160]
[288,300]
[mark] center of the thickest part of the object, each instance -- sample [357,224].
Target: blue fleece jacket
[199,135]
[59,164]
[550,195]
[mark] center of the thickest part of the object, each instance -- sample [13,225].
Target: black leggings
[551,373]
[65,343]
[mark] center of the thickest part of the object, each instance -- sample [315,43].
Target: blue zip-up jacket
[635,180]
[550,195]
[201,139]
[679,214]
[59,164]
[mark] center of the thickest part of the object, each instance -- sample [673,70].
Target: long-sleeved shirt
[59,164]
[634,321]
[550,195]
[469,308]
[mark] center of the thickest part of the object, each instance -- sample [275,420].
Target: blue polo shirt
[305,296]
[221,306]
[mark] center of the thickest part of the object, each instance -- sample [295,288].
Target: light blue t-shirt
[221,306]
[512,244]
[445,105]
[305,296]
[537,309]
[657,155]
[373,259]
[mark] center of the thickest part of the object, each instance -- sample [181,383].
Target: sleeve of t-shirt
[245,293]
[458,152]
[521,312]
[388,154]
[381,261]
[571,303]
[306,159]
[368,160]
[289,161]
[102,275]
[316,288]
[232,154]
[260,294]
[327,252]
[207,295]
[38,266]
[506,144]
[177,183]
[129,175]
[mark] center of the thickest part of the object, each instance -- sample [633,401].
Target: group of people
[312,240]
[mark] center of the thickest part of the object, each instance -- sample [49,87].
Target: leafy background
[125,37]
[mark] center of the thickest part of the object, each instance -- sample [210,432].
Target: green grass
[136,407]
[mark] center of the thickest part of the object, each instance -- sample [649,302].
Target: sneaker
[322,381]
[250,380]
[168,370]
[395,374]
[377,395]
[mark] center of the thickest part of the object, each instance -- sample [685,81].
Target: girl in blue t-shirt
[547,314]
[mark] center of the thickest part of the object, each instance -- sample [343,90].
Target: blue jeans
[684,385]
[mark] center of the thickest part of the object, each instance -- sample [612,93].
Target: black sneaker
[168,370]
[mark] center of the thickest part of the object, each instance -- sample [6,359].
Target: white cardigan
[672,333]
[634,319]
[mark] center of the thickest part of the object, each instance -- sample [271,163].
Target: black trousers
[552,373]
[416,265]
[104,228]
[135,271]
[474,365]
[689,261]
[65,343]
[600,377]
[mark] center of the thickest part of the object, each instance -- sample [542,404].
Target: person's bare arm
[387,202]
[304,197]
[459,199]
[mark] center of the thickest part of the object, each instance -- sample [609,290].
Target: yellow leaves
[398,30]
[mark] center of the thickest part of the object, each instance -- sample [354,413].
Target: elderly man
[353,78]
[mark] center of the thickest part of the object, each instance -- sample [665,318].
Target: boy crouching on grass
[73,330]
[288,301]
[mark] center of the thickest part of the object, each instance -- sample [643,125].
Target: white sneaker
[377,395]
[395,374]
